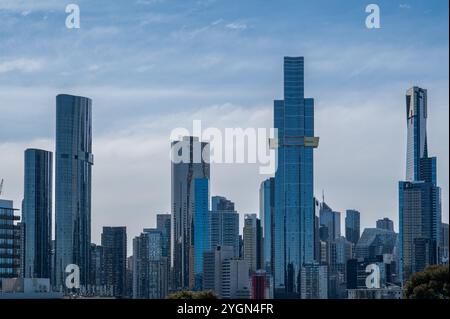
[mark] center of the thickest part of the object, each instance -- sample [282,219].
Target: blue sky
[153,65]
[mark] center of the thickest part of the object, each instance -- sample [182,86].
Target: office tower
[212,267]
[235,279]
[37,213]
[114,243]
[443,255]
[221,203]
[253,249]
[352,226]
[74,162]
[266,215]
[201,227]
[163,225]
[314,283]
[150,277]
[331,220]
[19,232]
[262,285]
[9,241]
[339,252]
[375,242]
[97,267]
[190,161]
[386,224]
[130,276]
[294,201]
[224,224]
[419,195]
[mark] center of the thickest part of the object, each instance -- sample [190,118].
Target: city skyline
[337,122]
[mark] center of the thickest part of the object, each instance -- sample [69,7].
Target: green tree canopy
[432,283]
[185,294]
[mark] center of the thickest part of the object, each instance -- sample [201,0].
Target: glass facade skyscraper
[352,226]
[37,213]
[74,162]
[114,243]
[224,224]
[188,164]
[294,201]
[10,245]
[201,228]
[419,196]
[266,215]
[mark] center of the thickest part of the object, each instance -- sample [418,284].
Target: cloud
[404,6]
[27,5]
[21,65]
[236,26]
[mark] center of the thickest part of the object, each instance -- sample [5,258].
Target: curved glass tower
[74,162]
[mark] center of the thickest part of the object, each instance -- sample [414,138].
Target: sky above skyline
[153,65]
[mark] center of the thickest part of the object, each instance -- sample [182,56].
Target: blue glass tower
[294,201]
[201,227]
[74,162]
[419,196]
[37,213]
[267,208]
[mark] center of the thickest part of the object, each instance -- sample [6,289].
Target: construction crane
[1,187]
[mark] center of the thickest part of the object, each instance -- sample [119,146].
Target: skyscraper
[163,225]
[352,226]
[201,227]
[253,249]
[294,201]
[330,221]
[385,223]
[190,161]
[9,241]
[114,243]
[419,195]
[266,215]
[37,213]
[224,224]
[74,162]
[150,277]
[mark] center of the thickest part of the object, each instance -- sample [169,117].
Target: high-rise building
[224,224]
[114,243]
[266,215]
[163,225]
[188,164]
[37,213]
[375,242]
[201,227]
[294,200]
[419,196]
[443,255]
[352,226]
[235,279]
[10,242]
[330,221]
[150,277]
[212,267]
[314,281]
[97,267]
[339,252]
[253,249]
[386,224]
[74,162]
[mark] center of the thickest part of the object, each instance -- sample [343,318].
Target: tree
[185,294]
[432,283]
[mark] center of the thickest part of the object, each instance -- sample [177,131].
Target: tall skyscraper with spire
[294,201]
[74,162]
[419,195]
